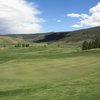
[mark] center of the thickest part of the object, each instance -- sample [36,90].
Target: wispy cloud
[19,16]
[91,19]
[59,21]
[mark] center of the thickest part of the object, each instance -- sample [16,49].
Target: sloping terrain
[74,36]
[7,40]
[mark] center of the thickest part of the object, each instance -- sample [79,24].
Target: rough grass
[49,74]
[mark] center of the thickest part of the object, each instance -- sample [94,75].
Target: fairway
[49,73]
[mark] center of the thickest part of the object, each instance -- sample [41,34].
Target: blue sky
[53,10]
[38,16]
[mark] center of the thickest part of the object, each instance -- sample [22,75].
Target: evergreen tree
[90,45]
[23,45]
[18,45]
[97,42]
[27,45]
[85,45]
[93,44]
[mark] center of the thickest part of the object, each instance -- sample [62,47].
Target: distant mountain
[73,36]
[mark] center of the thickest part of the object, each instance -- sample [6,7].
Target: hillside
[8,41]
[73,36]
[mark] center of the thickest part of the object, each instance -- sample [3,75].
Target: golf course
[49,49]
[49,73]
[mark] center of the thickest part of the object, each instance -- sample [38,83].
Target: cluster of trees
[22,45]
[91,44]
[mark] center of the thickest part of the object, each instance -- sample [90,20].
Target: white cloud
[59,21]
[92,19]
[77,26]
[73,15]
[18,16]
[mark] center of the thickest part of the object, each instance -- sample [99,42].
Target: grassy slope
[49,74]
[74,36]
[7,40]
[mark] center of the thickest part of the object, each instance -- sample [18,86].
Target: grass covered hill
[8,40]
[74,36]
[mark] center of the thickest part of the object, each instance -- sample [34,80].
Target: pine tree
[27,45]
[85,45]
[23,45]
[90,45]
[93,44]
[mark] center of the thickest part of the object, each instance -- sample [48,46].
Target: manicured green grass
[49,73]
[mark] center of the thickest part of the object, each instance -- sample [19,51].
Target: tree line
[91,44]
[22,45]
